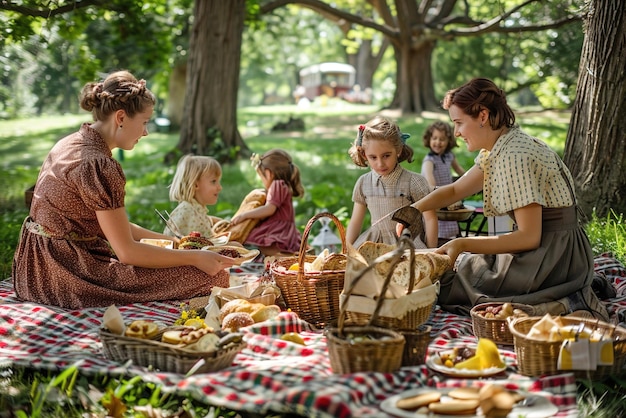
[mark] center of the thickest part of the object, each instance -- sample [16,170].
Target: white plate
[245,255]
[434,362]
[539,406]
[220,239]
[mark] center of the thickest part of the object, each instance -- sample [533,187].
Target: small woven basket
[536,358]
[416,346]
[496,329]
[361,348]
[314,296]
[166,357]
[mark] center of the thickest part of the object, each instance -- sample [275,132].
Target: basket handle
[395,256]
[305,238]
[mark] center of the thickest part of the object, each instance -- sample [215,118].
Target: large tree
[210,109]
[596,141]
[413,27]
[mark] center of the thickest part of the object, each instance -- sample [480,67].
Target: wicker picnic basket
[166,357]
[412,318]
[314,295]
[536,358]
[416,345]
[496,329]
[364,348]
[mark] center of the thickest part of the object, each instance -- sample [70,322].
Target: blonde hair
[380,129]
[119,91]
[188,171]
[279,162]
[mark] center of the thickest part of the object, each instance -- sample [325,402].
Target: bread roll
[235,305]
[265,313]
[172,337]
[236,320]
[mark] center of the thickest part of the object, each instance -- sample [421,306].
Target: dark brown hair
[443,127]
[119,91]
[478,94]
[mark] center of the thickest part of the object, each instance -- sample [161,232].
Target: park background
[533,49]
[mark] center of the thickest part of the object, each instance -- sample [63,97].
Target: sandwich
[194,241]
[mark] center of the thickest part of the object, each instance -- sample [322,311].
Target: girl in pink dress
[277,232]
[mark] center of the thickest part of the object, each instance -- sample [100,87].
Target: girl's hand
[212,263]
[237,219]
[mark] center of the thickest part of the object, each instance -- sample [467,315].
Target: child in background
[437,165]
[196,185]
[388,186]
[277,232]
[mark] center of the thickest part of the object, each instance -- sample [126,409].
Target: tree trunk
[595,148]
[210,110]
[415,91]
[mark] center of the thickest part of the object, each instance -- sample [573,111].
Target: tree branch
[325,8]
[48,12]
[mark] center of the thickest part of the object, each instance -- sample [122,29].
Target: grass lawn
[327,173]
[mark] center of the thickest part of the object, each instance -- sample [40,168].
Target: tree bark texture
[595,148]
[213,77]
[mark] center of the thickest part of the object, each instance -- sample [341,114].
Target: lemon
[293,337]
[197,323]
[294,266]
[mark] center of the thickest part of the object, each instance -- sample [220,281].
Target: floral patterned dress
[63,257]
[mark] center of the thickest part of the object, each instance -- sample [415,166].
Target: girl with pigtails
[276,232]
[387,187]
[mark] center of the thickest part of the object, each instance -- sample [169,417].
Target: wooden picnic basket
[166,357]
[536,358]
[363,348]
[313,295]
[496,329]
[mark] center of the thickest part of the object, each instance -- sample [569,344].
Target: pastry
[142,329]
[265,313]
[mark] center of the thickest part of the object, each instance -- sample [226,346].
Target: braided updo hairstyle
[119,91]
[478,94]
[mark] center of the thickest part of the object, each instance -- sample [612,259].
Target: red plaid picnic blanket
[269,376]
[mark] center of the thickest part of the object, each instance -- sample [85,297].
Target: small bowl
[458,215]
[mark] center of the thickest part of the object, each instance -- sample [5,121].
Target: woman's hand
[211,262]
[452,248]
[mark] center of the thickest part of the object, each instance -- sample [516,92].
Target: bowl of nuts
[489,320]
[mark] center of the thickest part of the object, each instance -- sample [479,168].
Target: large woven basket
[496,329]
[416,345]
[360,348]
[536,358]
[166,357]
[412,318]
[314,296]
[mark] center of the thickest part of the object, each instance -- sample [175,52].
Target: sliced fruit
[488,352]
[472,363]
[294,266]
[293,337]
[197,323]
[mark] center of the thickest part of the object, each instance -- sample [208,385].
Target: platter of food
[446,361]
[240,254]
[468,402]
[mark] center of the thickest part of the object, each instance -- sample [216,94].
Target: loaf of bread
[239,232]
[142,329]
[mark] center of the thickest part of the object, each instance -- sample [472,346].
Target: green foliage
[608,235]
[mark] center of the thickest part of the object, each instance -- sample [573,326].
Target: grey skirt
[562,265]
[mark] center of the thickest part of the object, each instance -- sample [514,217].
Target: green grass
[328,175]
